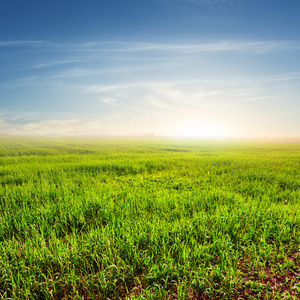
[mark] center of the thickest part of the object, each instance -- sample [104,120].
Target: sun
[192,128]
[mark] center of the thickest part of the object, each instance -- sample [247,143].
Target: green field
[148,219]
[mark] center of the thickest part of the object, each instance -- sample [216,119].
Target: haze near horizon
[186,68]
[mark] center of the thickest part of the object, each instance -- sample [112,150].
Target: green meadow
[85,218]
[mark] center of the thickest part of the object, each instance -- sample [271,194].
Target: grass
[148,219]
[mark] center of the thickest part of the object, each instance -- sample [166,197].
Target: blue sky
[166,67]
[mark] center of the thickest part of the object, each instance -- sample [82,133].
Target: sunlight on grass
[148,219]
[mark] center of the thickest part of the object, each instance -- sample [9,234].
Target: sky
[187,68]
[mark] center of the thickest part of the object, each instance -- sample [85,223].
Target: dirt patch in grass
[275,281]
[271,282]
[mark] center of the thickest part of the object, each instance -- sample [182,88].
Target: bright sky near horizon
[165,67]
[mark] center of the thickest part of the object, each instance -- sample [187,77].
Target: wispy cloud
[136,81]
[189,98]
[59,62]
[66,127]
[47,127]
[110,47]
[253,99]
[25,81]
[196,47]
[109,101]
[28,43]
[283,77]
[115,87]
[75,72]
[83,72]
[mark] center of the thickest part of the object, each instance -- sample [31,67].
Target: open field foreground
[148,219]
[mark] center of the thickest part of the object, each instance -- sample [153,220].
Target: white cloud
[111,47]
[51,127]
[187,80]
[109,101]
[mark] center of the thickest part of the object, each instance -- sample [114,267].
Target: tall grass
[148,219]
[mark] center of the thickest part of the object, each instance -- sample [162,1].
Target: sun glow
[192,128]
